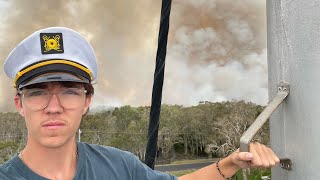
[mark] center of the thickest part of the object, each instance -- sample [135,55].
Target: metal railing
[283,91]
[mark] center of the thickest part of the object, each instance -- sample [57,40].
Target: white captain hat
[51,54]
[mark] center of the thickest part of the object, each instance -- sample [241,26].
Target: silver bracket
[283,91]
[286,164]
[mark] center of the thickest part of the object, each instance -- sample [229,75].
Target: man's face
[54,122]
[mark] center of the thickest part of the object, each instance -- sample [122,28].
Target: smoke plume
[216,48]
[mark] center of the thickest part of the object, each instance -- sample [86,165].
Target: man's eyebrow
[70,84]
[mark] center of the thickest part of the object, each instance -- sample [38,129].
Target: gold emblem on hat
[51,43]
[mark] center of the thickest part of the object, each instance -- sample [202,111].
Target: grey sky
[216,51]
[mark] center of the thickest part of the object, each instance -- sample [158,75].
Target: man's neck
[53,163]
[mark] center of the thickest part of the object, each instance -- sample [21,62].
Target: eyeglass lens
[69,98]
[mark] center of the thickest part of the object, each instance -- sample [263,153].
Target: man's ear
[18,104]
[87,105]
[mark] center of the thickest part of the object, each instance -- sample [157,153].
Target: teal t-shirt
[94,163]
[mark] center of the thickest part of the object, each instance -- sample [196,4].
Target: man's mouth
[53,124]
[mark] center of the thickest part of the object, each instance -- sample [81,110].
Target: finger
[267,156]
[256,161]
[267,159]
[274,156]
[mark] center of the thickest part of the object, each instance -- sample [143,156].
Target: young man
[53,70]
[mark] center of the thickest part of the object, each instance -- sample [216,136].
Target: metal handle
[283,91]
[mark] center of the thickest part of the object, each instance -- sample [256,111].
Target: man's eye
[71,92]
[37,93]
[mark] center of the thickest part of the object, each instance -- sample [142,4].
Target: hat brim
[54,77]
[52,72]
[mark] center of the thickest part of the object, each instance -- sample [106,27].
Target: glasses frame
[22,92]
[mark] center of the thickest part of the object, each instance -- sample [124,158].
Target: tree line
[207,129]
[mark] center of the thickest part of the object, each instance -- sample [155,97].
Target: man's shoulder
[122,164]
[6,165]
[96,147]
[7,170]
[103,150]
[97,156]
[3,167]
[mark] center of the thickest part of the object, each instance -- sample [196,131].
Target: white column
[294,56]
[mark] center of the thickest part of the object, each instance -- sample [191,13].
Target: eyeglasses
[38,99]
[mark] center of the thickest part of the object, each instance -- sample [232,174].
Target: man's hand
[260,156]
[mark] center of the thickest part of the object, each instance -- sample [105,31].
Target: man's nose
[54,104]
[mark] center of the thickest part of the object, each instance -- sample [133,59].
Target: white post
[79,135]
[294,56]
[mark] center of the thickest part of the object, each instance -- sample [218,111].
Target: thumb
[244,156]
[242,159]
